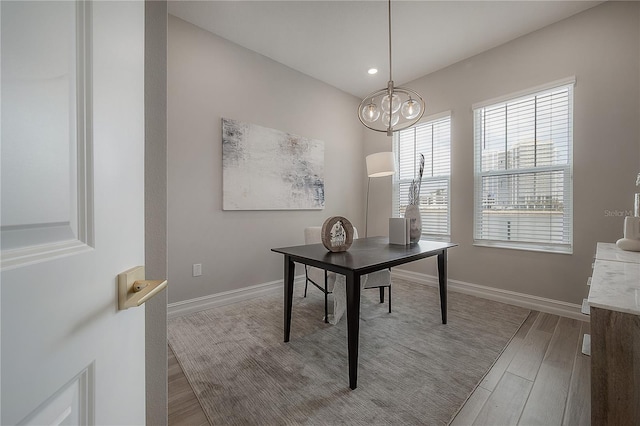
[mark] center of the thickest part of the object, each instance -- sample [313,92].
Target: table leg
[289,271]
[353,325]
[442,280]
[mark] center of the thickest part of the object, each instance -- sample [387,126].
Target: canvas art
[267,169]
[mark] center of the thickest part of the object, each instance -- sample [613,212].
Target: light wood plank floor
[184,408]
[541,378]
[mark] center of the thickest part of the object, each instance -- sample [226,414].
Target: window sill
[525,247]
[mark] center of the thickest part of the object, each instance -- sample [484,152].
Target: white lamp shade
[380,164]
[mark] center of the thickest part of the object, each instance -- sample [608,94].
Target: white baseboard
[185,307]
[556,307]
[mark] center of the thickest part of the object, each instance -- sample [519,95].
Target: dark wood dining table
[366,255]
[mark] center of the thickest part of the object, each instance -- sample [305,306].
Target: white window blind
[523,171]
[433,140]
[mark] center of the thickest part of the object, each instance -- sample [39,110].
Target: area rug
[412,368]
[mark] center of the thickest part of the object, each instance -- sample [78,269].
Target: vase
[412,213]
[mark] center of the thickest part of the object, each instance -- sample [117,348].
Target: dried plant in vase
[412,212]
[631,239]
[414,189]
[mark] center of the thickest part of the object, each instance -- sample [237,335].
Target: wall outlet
[197,269]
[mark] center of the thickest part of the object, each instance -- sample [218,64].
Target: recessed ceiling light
[373,71]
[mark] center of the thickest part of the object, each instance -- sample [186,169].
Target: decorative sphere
[395,103]
[370,112]
[411,109]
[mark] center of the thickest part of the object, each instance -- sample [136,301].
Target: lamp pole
[366,214]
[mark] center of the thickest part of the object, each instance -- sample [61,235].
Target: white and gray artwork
[267,169]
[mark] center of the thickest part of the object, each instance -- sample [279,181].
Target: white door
[72,212]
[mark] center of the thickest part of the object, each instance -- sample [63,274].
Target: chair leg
[389,299]
[326,311]
[306,283]
[326,295]
[381,294]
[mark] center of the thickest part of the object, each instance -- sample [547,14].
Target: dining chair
[325,280]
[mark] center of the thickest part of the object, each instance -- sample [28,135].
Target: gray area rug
[412,368]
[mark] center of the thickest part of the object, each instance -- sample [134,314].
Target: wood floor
[541,378]
[184,408]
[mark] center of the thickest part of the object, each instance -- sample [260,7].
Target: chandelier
[392,108]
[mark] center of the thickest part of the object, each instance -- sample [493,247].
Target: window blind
[523,171]
[433,140]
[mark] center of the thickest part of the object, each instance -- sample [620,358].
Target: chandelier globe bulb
[395,103]
[411,109]
[395,118]
[370,112]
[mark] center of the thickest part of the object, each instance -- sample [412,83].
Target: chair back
[313,234]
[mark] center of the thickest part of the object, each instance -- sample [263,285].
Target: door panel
[59,314]
[45,71]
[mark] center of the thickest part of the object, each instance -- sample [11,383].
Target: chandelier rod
[390,79]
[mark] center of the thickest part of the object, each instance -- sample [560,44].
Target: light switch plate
[197,269]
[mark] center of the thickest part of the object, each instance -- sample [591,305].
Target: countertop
[615,283]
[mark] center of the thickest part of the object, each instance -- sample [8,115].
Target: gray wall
[210,78]
[600,47]
[155,208]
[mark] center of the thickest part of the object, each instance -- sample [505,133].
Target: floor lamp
[378,165]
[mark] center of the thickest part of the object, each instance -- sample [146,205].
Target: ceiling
[338,41]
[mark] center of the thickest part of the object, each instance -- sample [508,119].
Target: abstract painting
[267,169]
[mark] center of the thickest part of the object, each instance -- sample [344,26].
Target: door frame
[155,189]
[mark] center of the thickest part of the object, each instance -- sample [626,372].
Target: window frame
[567,169]
[425,121]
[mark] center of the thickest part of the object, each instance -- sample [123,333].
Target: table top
[365,254]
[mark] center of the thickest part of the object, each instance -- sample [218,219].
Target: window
[433,140]
[523,175]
